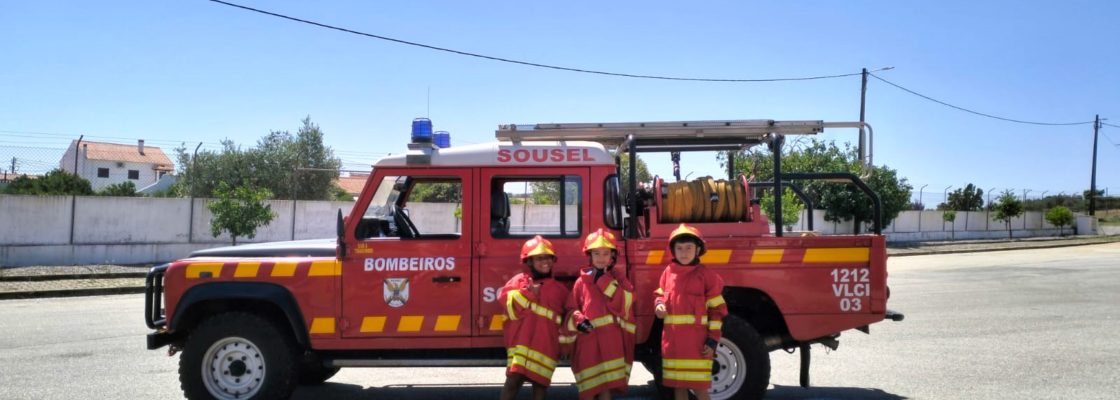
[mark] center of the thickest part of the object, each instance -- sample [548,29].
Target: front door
[408,273]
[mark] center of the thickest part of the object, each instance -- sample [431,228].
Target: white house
[105,164]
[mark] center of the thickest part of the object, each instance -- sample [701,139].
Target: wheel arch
[758,309]
[271,301]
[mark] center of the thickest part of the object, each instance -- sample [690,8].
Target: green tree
[791,207]
[436,192]
[624,171]
[55,182]
[951,217]
[549,192]
[123,189]
[968,198]
[1007,206]
[290,166]
[841,202]
[239,211]
[1060,217]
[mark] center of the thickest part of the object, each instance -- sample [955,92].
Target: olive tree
[239,211]
[1007,207]
[1060,217]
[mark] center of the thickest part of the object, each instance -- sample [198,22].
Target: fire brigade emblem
[396,292]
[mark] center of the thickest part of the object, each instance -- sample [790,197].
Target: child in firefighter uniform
[689,300]
[601,303]
[534,305]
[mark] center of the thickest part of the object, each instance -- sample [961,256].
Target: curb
[934,252]
[59,277]
[991,249]
[70,293]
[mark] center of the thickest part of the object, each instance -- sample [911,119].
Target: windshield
[388,190]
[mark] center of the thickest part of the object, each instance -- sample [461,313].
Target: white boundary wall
[36,230]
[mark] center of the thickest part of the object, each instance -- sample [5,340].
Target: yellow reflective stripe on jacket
[632,328]
[684,319]
[627,303]
[715,325]
[685,363]
[529,353]
[600,368]
[531,365]
[610,289]
[695,376]
[589,384]
[515,296]
[715,301]
[602,321]
[659,292]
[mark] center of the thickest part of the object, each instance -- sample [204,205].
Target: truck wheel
[237,355]
[741,369]
[313,372]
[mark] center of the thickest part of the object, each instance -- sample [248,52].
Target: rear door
[551,202]
[409,271]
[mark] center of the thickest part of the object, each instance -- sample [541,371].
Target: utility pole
[862,107]
[1093,181]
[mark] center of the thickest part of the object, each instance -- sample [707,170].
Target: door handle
[446,279]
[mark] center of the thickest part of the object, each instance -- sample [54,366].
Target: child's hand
[660,311]
[709,348]
[707,351]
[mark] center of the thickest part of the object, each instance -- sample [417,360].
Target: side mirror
[340,228]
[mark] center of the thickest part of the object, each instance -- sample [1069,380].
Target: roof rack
[670,136]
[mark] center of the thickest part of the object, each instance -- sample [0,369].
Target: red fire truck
[412,277]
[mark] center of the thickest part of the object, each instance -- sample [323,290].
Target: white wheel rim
[233,368]
[729,370]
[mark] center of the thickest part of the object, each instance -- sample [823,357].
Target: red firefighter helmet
[600,239]
[687,232]
[535,247]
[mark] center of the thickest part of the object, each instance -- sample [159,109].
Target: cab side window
[410,207]
[523,207]
[435,207]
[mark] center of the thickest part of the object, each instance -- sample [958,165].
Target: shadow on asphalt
[331,390]
[831,393]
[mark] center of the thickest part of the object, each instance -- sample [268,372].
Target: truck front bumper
[159,339]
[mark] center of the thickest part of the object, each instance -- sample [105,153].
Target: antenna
[428,112]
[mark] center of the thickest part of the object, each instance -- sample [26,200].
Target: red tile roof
[352,184]
[125,153]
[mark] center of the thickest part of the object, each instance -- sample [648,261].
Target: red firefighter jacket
[602,358]
[692,297]
[532,326]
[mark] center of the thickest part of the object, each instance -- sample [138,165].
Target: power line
[527,63]
[1112,125]
[977,112]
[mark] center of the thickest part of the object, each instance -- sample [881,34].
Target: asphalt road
[1038,324]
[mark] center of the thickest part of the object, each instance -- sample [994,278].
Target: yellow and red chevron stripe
[262,269]
[816,255]
[410,323]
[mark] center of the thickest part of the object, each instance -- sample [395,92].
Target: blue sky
[194,70]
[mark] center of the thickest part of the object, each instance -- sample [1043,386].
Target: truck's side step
[382,363]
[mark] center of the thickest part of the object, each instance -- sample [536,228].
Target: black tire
[313,372]
[742,364]
[244,353]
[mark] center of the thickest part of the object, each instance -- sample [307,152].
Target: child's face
[684,251]
[600,258]
[542,263]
